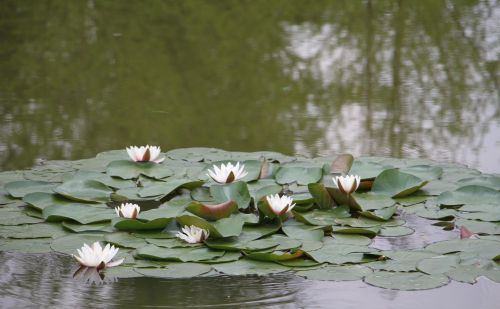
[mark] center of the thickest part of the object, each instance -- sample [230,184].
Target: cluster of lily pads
[205,212]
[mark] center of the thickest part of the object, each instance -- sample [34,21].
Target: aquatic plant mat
[59,205]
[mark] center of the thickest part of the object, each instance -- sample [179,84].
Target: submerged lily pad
[406,281]
[176,270]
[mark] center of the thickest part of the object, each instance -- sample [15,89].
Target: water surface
[387,78]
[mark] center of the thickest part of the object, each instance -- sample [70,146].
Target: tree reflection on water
[395,78]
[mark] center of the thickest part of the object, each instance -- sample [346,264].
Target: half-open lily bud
[145,154]
[128,210]
[227,173]
[212,212]
[96,256]
[193,234]
[280,205]
[347,184]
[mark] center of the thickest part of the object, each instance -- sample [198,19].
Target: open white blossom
[347,184]
[128,210]
[280,205]
[193,234]
[96,256]
[227,172]
[145,154]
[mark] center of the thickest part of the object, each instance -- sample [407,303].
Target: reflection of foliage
[80,77]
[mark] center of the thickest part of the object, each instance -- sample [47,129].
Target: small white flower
[280,205]
[347,184]
[96,256]
[145,154]
[227,173]
[193,234]
[128,210]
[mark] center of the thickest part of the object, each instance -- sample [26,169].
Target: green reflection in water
[396,78]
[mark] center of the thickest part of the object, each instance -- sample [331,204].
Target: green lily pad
[38,245]
[101,177]
[40,230]
[342,164]
[19,189]
[85,191]
[406,281]
[226,227]
[177,254]
[336,273]
[158,191]
[127,169]
[404,261]
[249,267]
[125,240]
[424,172]
[68,244]
[323,217]
[321,196]
[300,175]
[382,214]
[40,200]
[176,270]
[303,232]
[83,214]
[237,191]
[82,228]
[125,224]
[469,195]
[274,256]
[438,264]
[395,231]
[396,184]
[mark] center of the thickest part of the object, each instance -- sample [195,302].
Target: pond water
[406,79]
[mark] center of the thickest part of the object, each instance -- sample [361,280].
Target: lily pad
[406,281]
[249,267]
[127,169]
[83,214]
[19,189]
[212,212]
[176,270]
[300,175]
[336,273]
[226,227]
[178,254]
[237,192]
[85,191]
[396,184]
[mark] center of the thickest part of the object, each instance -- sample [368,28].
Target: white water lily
[128,210]
[145,154]
[193,234]
[227,172]
[96,256]
[347,184]
[280,204]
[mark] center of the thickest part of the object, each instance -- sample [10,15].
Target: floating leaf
[405,260]
[321,196]
[83,214]
[336,273]
[237,192]
[163,189]
[19,189]
[469,195]
[396,184]
[39,245]
[82,228]
[405,281]
[323,217]
[40,200]
[249,267]
[138,225]
[225,227]
[303,232]
[342,164]
[125,240]
[68,244]
[212,212]
[85,191]
[40,230]
[177,254]
[176,270]
[127,169]
[300,175]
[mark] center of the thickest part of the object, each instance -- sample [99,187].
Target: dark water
[393,78]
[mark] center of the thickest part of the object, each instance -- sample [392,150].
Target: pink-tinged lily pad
[212,212]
